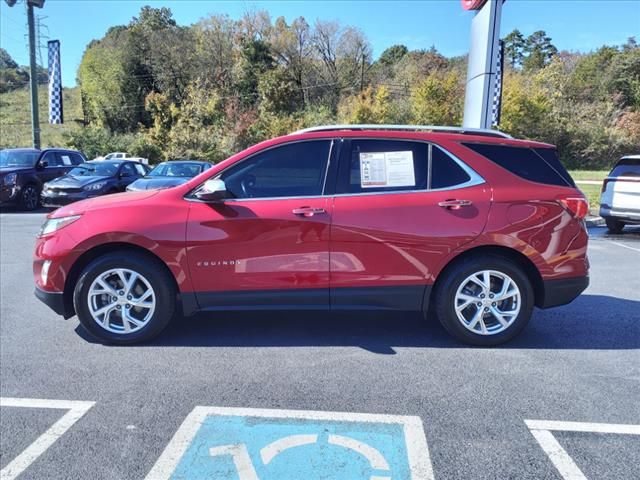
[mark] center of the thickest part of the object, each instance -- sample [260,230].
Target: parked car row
[56,177]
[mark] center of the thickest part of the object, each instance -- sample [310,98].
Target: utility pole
[33,68]
[33,73]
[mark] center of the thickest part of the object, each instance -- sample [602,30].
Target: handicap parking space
[252,444]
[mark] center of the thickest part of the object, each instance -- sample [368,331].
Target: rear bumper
[563,291]
[53,300]
[631,216]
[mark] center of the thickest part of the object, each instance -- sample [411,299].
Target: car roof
[631,157]
[26,149]
[199,162]
[116,161]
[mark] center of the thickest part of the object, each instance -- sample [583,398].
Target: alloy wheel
[487,302]
[121,301]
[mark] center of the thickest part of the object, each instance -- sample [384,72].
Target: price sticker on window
[387,169]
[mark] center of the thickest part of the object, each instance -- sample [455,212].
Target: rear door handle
[308,211]
[455,204]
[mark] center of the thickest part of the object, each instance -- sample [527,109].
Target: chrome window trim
[474,178]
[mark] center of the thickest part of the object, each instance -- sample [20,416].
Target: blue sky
[572,24]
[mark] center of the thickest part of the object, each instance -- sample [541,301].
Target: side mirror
[124,174]
[212,191]
[42,164]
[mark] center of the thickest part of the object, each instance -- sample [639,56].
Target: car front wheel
[124,298]
[485,301]
[29,197]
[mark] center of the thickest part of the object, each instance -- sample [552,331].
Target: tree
[514,48]
[437,100]
[539,50]
[392,55]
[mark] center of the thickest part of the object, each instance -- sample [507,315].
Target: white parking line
[542,432]
[626,246]
[76,410]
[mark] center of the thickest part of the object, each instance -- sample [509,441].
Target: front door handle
[455,204]
[308,211]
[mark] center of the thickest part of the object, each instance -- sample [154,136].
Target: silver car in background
[620,198]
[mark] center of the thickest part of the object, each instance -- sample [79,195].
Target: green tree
[437,100]
[514,48]
[539,50]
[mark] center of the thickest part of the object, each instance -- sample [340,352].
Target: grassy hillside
[15,117]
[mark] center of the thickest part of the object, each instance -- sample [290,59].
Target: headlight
[92,187]
[11,179]
[54,224]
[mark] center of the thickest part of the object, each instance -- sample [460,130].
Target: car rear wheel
[484,301]
[29,197]
[124,298]
[613,225]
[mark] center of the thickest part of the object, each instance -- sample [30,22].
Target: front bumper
[562,291]
[53,300]
[51,199]
[9,194]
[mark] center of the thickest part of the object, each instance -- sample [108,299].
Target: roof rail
[432,128]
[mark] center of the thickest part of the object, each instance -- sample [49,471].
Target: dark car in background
[23,171]
[169,174]
[92,179]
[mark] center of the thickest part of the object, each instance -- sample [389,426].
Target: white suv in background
[620,198]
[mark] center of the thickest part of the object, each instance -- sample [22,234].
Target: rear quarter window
[540,165]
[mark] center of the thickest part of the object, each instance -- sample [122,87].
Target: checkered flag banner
[55,83]
[496,106]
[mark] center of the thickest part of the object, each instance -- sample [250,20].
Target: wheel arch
[529,268]
[97,251]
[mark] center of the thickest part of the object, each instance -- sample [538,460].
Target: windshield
[94,170]
[16,158]
[169,169]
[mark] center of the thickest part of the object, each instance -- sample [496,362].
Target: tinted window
[627,167]
[445,172]
[526,163]
[176,169]
[384,166]
[128,170]
[64,159]
[77,159]
[292,170]
[51,159]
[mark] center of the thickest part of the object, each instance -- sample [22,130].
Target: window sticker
[387,169]
[66,160]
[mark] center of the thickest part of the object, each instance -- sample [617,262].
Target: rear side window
[540,165]
[384,166]
[626,167]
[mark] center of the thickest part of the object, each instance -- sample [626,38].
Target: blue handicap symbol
[235,447]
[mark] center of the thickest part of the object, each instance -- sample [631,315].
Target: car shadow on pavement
[590,322]
[14,210]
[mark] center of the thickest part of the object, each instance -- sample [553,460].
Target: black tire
[29,197]
[152,270]
[613,225]
[453,277]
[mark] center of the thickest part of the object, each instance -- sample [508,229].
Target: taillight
[604,184]
[576,205]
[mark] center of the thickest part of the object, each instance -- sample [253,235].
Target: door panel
[387,245]
[239,249]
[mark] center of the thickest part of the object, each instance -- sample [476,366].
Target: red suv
[471,226]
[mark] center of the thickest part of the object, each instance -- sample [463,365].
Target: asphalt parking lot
[486,413]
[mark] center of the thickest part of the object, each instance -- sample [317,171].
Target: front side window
[128,170]
[292,170]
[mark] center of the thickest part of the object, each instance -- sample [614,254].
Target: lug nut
[479,304]
[127,306]
[491,296]
[486,309]
[482,295]
[121,292]
[114,299]
[493,304]
[129,297]
[118,307]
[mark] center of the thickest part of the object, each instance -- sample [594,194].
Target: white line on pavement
[626,246]
[76,410]
[542,432]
